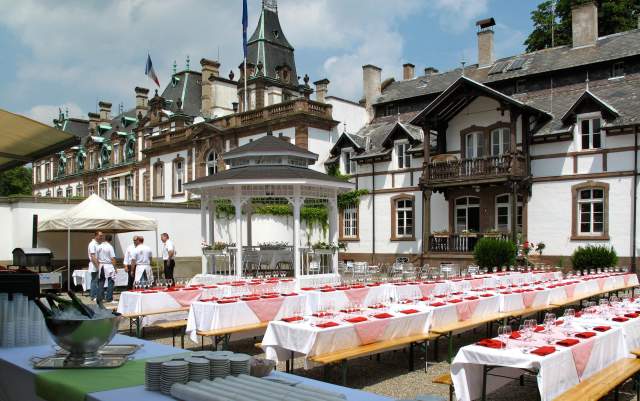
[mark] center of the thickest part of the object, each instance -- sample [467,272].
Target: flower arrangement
[329,246]
[273,245]
[540,247]
[216,246]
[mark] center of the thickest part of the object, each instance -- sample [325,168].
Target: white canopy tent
[96,214]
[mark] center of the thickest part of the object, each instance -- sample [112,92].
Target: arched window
[178,176]
[158,180]
[69,192]
[105,155]
[59,192]
[130,150]
[80,158]
[212,163]
[79,190]
[467,214]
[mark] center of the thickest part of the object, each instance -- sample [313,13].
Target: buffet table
[18,380]
[83,277]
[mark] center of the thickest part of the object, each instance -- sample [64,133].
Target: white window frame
[128,187]
[590,117]
[158,181]
[503,141]
[402,155]
[347,164]
[591,213]
[103,189]
[519,210]
[466,208]
[178,176]
[211,163]
[68,192]
[401,216]
[79,190]
[115,188]
[478,139]
[116,153]
[350,222]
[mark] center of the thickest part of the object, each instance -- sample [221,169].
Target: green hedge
[594,257]
[490,252]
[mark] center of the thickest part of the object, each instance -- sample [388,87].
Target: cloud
[45,113]
[455,16]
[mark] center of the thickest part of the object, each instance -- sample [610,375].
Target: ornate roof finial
[66,112]
[344,128]
[175,68]
[187,63]
[271,5]
[587,80]
[462,63]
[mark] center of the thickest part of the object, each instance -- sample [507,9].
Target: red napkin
[227,301]
[149,292]
[488,342]
[454,301]
[350,310]
[436,304]
[170,290]
[383,315]
[559,322]
[401,283]
[373,285]
[539,288]
[212,299]
[567,342]
[538,329]
[190,288]
[423,299]
[210,286]
[439,296]
[486,295]
[342,288]
[357,286]
[505,292]
[471,298]
[602,328]
[631,315]
[327,290]
[456,293]
[291,294]
[249,298]
[542,351]
[586,334]
[357,319]
[327,325]
[307,288]
[490,289]
[409,311]
[380,306]
[292,319]
[270,296]
[405,302]
[321,314]
[514,335]
[620,319]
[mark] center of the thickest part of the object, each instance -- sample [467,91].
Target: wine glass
[504,332]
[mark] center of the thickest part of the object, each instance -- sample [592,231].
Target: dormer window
[349,166]
[617,70]
[589,131]
[403,157]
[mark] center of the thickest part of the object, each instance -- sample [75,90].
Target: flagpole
[246,102]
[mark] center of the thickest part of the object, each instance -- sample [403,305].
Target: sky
[73,53]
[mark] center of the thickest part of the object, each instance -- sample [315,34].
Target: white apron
[109,271]
[143,268]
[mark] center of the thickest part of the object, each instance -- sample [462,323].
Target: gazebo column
[296,202]
[203,230]
[333,231]
[212,221]
[237,204]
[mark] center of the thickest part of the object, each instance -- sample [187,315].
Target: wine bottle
[61,303]
[84,309]
[46,312]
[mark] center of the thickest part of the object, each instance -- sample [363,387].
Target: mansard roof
[186,86]
[607,48]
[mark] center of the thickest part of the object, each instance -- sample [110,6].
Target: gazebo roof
[269,145]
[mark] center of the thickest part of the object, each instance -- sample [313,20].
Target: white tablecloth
[451,313]
[205,316]
[83,277]
[339,299]
[305,339]
[556,372]
[528,299]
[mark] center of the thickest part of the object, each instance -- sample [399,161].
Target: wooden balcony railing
[477,169]
[458,243]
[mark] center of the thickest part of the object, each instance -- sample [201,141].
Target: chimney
[430,71]
[322,88]
[94,118]
[584,24]
[105,111]
[210,70]
[371,83]
[142,101]
[485,42]
[408,71]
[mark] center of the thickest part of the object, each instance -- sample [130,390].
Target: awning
[23,140]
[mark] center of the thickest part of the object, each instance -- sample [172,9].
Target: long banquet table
[82,277]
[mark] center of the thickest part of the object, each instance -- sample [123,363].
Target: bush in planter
[594,257]
[490,252]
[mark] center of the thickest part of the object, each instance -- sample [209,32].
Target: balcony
[279,110]
[459,242]
[167,138]
[479,170]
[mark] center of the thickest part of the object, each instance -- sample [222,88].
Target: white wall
[321,141]
[167,160]
[346,112]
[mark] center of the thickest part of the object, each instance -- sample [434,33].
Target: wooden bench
[223,335]
[341,357]
[137,317]
[636,352]
[177,327]
[602,383]
[445,379]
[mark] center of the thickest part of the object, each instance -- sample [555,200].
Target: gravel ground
[390,376]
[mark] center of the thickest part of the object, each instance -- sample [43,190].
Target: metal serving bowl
[83,338]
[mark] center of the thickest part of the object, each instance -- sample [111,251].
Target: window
[102,188]
[349,166]
[79,190]
[590,133]
[116,153]
[69,192]
[474,145]
[158,180]
[38,174]
[48,194]
[500,141]
[47,171]
[178,176]
[392,110]
[402,217]
[503,212]
[402,155]
[91,189]
[350,222]
[59,193]
[591,211]
[521,85]
[146,187]
[467,214]
[130,150]
[128,187]
[212,163]
[617,70]
[80,162]
[92,160]
[105,154]
[115,188]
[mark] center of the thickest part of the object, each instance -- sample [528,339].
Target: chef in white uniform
[127,261]
[93,263]
[142,262]
[106,269]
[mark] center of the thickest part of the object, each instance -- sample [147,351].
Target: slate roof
[376,133]
[607,48]
[267,173]
[76,126]
[269,145]
[187,86]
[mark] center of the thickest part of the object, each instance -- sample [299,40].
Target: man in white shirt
[93,263]
[127,261]
[142,262]
[106,269]
[168,255]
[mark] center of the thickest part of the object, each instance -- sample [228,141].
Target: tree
[613,16]
[16,181]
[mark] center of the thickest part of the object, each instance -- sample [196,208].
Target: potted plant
[441,234]
[217,248]
[468,234]
[493,233]
[273,245]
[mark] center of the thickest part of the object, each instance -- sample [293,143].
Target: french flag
[150,72]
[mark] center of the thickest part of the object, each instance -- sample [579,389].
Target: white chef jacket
[93,248]
[168,246]
[143,257]
[104,254]
[129,254]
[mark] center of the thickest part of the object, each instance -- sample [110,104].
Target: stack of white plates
[220,366]
[198,369]
[240,364]
[152,373]
[173,372]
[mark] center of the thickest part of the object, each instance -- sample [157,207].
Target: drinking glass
[504,332]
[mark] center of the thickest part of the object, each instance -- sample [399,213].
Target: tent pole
[68,258]
[157,255]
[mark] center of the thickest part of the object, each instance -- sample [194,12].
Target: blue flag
[244,27]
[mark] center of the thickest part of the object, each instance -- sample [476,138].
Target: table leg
[343,369]
[173,337]
[411,357]
[484,382]
[450,350]
[182,339]
[138,327]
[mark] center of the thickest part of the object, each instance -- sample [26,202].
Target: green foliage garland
[351,198]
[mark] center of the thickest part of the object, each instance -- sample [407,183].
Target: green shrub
[490,252]
[594,257]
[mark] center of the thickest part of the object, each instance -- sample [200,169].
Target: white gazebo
[269,168]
